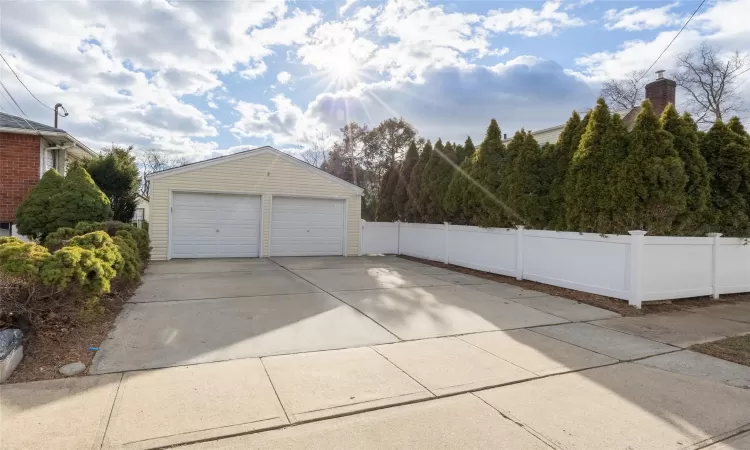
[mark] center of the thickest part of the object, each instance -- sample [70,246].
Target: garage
[307,227]
[256,203]
[215,225]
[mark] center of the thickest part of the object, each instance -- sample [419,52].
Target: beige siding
[265,174]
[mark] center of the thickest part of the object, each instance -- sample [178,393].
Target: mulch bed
[62,337]
[600,301]
[735,349]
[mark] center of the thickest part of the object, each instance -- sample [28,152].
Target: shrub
[79,265]
[116,174]
[79,200]
[413,208]
[131,262]
[21,259]
[103,247]
[57,239]
[32,215]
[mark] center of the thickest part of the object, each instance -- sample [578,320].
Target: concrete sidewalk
[572,377]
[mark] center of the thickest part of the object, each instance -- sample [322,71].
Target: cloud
[452,102]
[254,71]
[332,42]
[284,77]
[290,30]
[637,19]
[284,124]
[723,24]
[531,22]
[347,4]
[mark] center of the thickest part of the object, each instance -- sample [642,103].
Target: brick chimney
[661,92]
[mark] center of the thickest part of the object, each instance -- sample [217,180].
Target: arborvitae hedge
[528,182]
[437,185]
[386,211]
[481,205]
[693,221]
[562,155]
[401,196]
[413,210]
[32,215]
[728,163]
[465,151]
[653,185]
[430,213]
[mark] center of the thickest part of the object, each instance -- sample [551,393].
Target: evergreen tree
[413,211]
[464,151]
[728,162]
[562,154]
[589,175]
[455,196]
[117,175]
[735,125]
[32,215]
[481,205]
[386,210]
[527,189]
[653,184]
[401,196]
[429,213]
[79,200]
[697,189]
[440,178]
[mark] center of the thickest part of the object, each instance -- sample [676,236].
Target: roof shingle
[9,121]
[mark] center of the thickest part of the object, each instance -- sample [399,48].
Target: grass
[735,349]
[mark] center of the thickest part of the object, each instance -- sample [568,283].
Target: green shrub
[57,239]
[413,207]
[401,195]
[21,259]
[33,214]
[103,247]
[79,265]
[78,200]
[128,248]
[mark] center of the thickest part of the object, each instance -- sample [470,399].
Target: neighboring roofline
[254,151]
[143,197]
[61,134]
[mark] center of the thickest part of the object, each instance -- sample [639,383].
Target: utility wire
[671,42]
[24,117]
[17,106]
[22,83]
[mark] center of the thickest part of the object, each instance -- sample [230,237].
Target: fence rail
[635,267]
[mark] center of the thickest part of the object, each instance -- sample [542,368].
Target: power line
[11,97]
[22,83]
[671,42]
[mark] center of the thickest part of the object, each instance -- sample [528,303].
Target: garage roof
[252,152]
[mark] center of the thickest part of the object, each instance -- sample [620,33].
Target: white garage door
[215,225]
[307,227]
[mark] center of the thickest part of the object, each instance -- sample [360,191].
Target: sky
[207,78]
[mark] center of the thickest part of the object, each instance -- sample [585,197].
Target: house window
[139,214]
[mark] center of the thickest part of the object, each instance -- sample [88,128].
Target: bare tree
[152,160]
[709,78]
[625,93]
[316,148]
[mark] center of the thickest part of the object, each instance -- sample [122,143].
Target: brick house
[27,150]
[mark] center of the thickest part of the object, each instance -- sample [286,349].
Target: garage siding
[264,174]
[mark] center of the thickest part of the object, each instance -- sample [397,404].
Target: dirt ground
[735,349]
[609,303]
[62,337]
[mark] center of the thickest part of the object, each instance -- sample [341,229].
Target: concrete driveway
[197,311]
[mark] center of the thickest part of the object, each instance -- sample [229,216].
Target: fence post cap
[714,234]
[637,232]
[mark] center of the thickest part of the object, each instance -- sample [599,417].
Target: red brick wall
[19,171]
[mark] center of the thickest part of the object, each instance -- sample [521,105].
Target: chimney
[661,92]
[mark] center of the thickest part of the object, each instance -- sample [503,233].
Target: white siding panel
[267,174]
[307,227]
[215,225]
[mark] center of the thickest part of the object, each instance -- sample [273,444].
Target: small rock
[72,369]
[9,340]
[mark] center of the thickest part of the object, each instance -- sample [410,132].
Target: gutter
[60,134]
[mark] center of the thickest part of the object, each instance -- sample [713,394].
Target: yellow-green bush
[21,259]
[131,265]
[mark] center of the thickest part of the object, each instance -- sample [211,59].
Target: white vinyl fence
[635,267]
